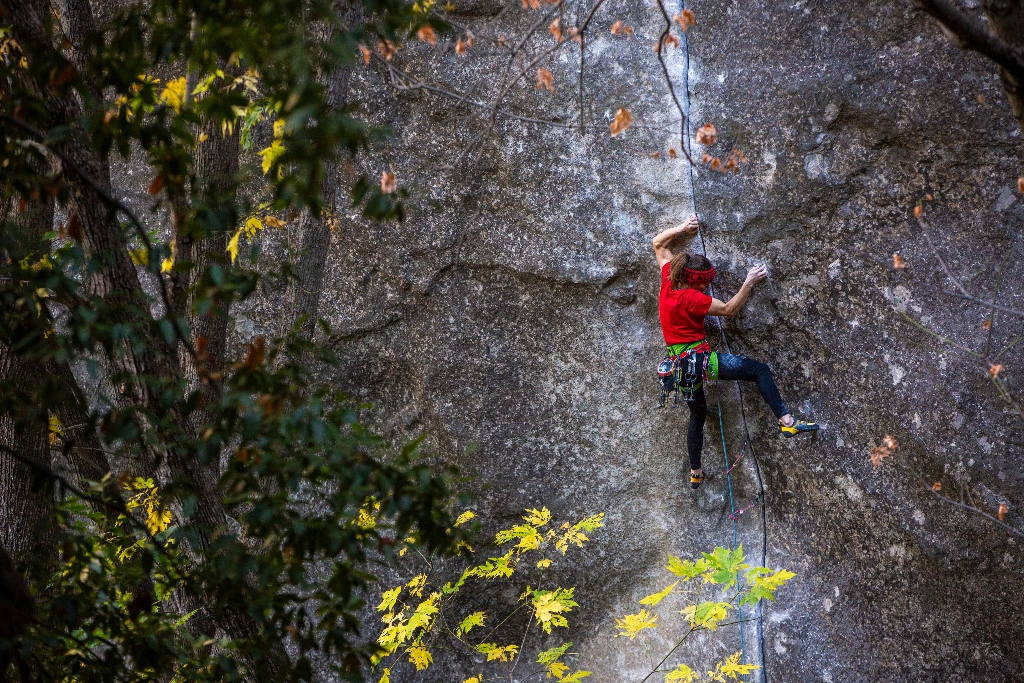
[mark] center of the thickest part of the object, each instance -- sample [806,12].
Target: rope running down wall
[759,619]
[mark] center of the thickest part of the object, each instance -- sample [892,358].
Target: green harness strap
[676,349]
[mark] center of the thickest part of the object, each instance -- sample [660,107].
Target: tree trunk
[315,232]
[26,498]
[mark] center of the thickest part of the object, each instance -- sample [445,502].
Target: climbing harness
[681,375]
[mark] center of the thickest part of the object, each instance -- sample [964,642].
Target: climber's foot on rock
[696,477]
[797,427]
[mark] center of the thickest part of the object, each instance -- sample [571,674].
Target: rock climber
[683,305]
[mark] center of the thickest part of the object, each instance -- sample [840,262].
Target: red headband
[698,276]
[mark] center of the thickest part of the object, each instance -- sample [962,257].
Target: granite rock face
[515,310]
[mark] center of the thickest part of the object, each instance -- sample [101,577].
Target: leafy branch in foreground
[706,605]
[417,627]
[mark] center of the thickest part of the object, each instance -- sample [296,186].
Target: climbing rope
[734,515]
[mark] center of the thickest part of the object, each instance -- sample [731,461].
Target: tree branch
[972,35]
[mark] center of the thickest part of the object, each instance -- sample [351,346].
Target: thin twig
[956,283]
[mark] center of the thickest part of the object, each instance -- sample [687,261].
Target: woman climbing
[683,306]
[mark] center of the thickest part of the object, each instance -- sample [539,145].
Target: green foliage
[236,498]
[718,572]
[413,629]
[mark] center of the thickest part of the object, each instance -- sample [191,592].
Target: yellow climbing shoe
[695,480]
[797,427]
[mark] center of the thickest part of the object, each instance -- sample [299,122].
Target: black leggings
[730,367]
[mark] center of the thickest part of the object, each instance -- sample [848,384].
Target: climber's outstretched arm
[754,275]
[663,239]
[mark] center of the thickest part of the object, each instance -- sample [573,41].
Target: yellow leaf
[252,225]
[474,619]
[173,94]
[544,564]
[632,624]
[140,256]
[681,674]
[537,517]
[416,585]
[233,245]
[731,668]
[706,614]
[389,598]
[273,221]
[475,679]
[271,154]
[464,517]
[168,263]
[420,657]
[386,678]
[655,598]
[501,654]
[55,431]
[557,670]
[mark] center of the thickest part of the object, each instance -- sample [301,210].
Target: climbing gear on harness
[797,427]
[696,480]
[683,374]
[698,276]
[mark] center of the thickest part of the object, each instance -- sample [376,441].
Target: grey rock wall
[518,313]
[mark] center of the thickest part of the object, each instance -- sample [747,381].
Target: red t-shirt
[682,312]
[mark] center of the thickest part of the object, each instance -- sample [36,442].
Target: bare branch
[956,283]
[972,35]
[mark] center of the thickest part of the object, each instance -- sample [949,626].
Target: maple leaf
[387,182]
[716,164]
[273,221]
[420,657]
[494,652]
[156,185]
[619,28]
[556,30]
[632,624]
[918,210]
[879,453]
[575,35]
[426,35]
[416,585]
[544,80]
[656,155]
[388,49]
[474,619]
[464,517]
[929,197]
[685,19]
[460,47]
[1020,185]
[672,153]
[937,486]
[469,39]
[898,261]
[621,122]
[994,370]
[706,134]
[681,674]
[705,158]
[986,325]
[173,94]
[671,39]
[1001,514]
[365,52]
[543,564]
[531,4]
